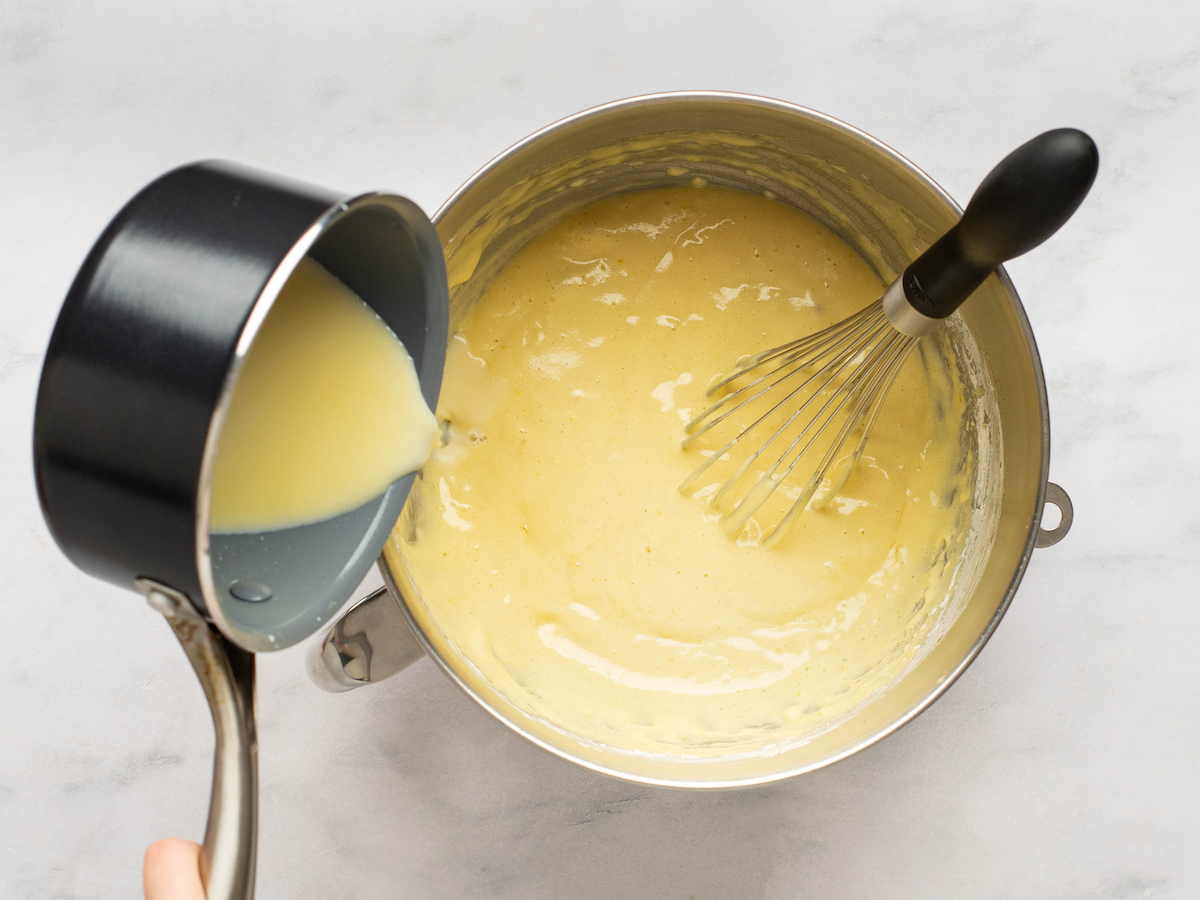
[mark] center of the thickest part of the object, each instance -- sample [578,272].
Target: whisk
[842,374]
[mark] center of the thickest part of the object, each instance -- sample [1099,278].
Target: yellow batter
[326,412]
[546,536]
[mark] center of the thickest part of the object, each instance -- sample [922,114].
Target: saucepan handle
[1055,496]
[226,672]
[370,642]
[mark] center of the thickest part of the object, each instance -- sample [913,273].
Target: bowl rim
[751,100]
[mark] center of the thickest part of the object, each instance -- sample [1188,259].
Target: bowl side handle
[370,642]
[1055,496]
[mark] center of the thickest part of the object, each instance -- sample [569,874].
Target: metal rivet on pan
[250,591]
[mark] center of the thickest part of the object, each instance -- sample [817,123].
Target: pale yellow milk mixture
[326,413]
[547,538]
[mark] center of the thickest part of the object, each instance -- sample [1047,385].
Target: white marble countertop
[1064,764]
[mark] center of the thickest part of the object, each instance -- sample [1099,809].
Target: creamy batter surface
[547,539]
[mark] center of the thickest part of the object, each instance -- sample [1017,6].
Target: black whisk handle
[1021,202]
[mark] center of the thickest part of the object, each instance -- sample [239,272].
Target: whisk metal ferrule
[905,317]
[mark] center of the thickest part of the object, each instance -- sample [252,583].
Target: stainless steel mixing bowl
[886,208]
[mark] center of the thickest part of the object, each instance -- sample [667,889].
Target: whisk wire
[843,358]
[770,480]
[867,399]
[817,338]
[870,400]
[848,468]
[846,359]
[795,364]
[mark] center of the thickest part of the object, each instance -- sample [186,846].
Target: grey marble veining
[1064,764]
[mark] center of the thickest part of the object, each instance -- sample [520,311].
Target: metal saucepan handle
[1055,496]
[226,672]
[370,642]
